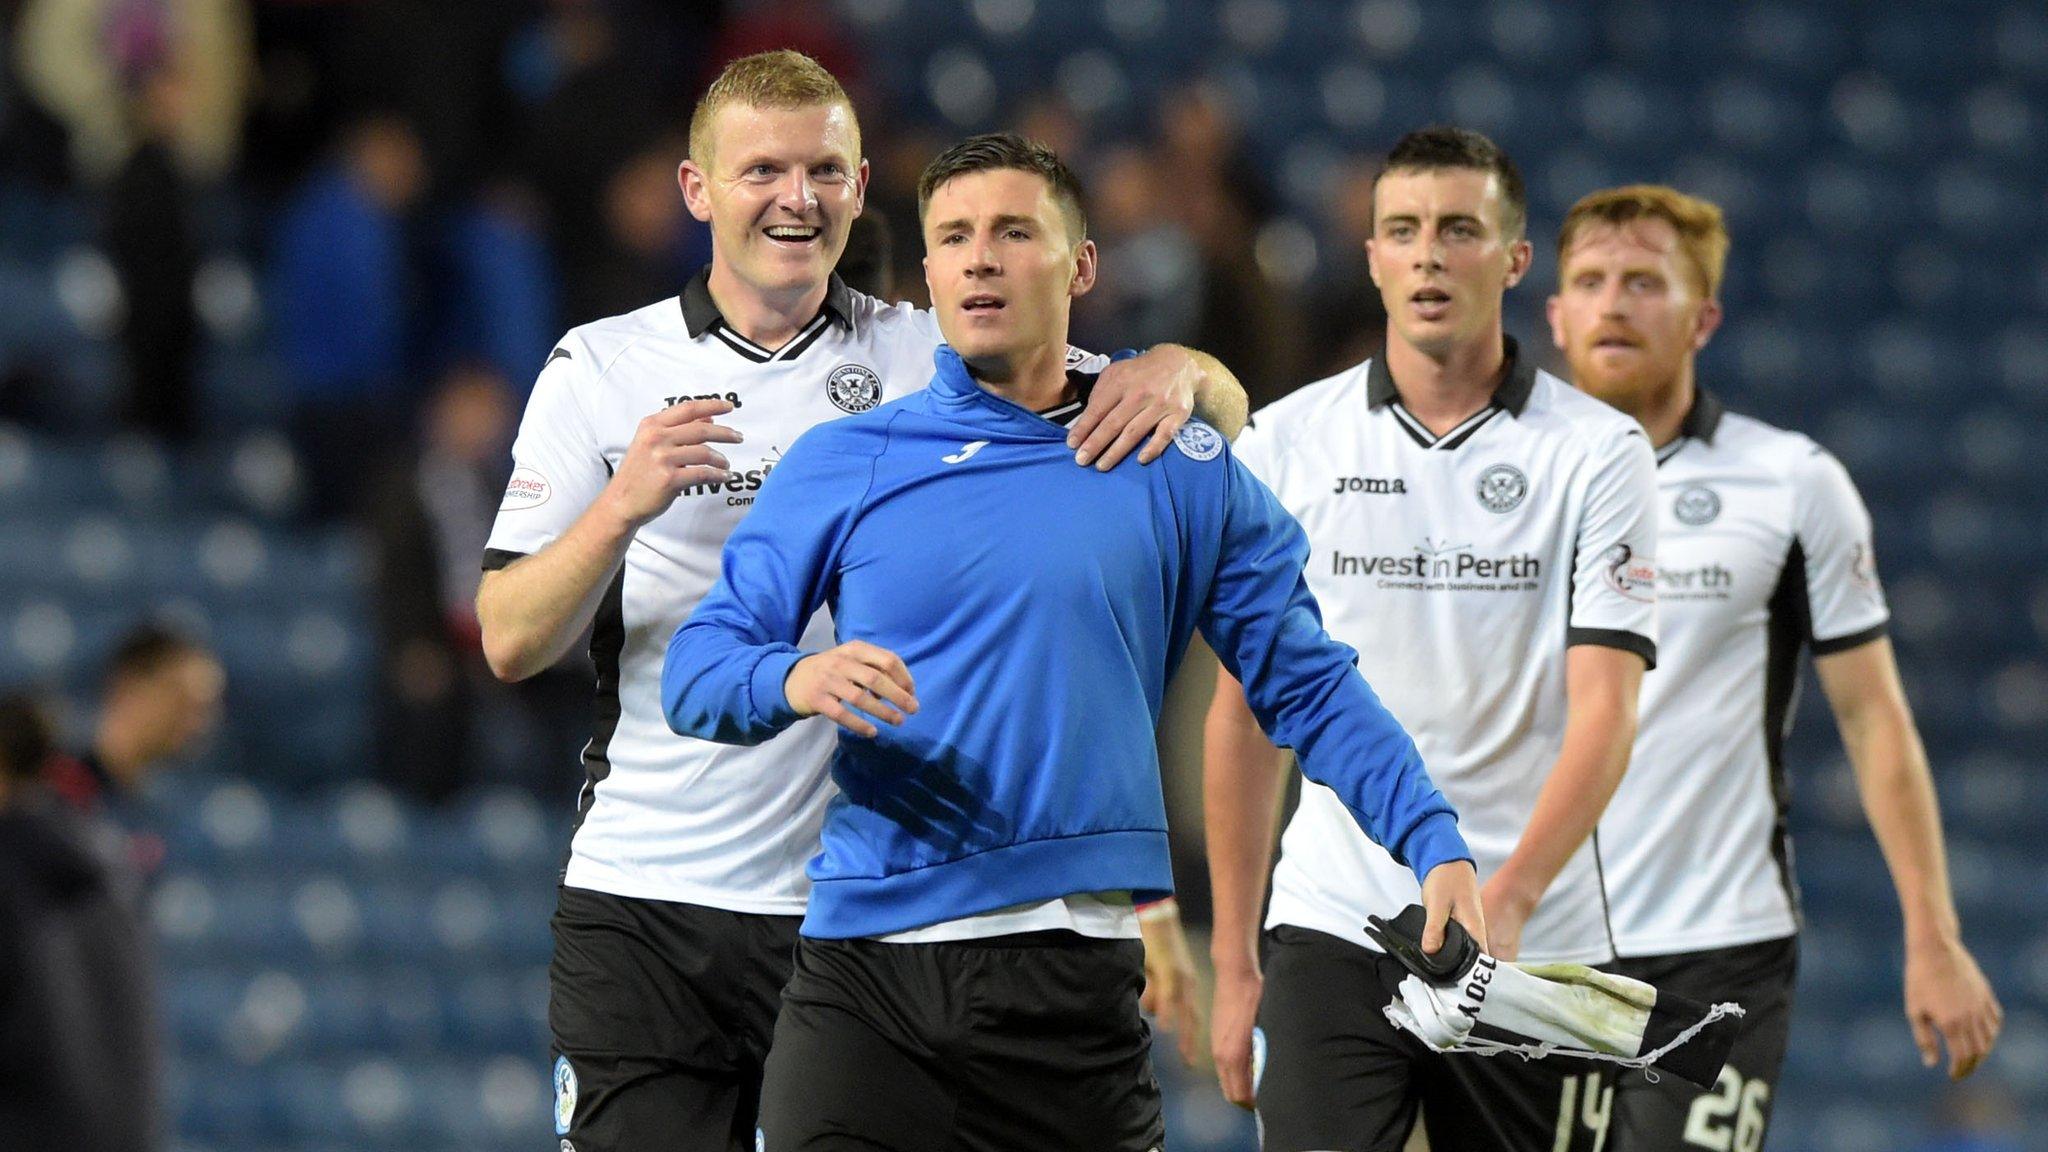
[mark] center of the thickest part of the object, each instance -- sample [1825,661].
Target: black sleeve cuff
[1614,638]
[496,558]
[1852,640]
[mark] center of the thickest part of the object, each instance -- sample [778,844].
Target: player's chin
[1432,337]
[1605,383]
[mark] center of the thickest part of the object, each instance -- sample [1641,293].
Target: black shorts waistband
[1042,938]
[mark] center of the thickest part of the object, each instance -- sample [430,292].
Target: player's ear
[696,189]
[1520,254]
[1084,269]
[1372,261]
[860,188]
[1554,310]
[1709,323]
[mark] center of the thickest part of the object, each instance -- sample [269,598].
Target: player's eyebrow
[1002,221]
[1447,218]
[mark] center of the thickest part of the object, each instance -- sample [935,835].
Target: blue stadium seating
[347,972]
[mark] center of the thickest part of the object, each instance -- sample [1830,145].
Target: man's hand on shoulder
[849,684]
[670,451]
[1143,399]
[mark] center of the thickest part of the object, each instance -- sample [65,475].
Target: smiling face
[1442,257]
[1001,265]
[1630,312]
[779,188]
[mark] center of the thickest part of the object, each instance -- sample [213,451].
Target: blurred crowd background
[275,276]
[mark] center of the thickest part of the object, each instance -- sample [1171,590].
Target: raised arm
[533,606]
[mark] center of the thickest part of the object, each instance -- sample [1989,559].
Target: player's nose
[797,192]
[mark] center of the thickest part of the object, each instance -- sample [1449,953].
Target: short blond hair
[782,79]
[1702,235]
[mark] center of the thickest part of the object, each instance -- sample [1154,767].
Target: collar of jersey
[700,311]
[1701,420]
[1513,393]
[954,387]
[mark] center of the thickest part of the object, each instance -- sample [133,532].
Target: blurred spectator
[79,1062]
[160,696]
[1206,182]
[591,115]
[896,158]
[1217,189]
[1050,119]
[430,520]
[812,27]
[446,721]
[439,65]
[868,263]
[149,239]
[501,303]
[1347,322]
[342,295]
[649,245]
[1152,282]
[77,57]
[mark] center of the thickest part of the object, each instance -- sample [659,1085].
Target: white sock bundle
[1463,1000]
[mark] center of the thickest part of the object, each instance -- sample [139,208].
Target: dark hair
[1442,146]
[26,742]
[149,648]
[996,151]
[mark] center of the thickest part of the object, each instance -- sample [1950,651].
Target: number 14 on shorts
[1585,1105]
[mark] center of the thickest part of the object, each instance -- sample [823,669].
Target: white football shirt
[1461,567]
[662,816]
[1766,550]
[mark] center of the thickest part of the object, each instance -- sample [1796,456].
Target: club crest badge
[853,388]
[1198,441]
[565,1097]
[1696,506]
[1502,487]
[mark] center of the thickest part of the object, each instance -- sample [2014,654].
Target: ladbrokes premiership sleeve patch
[527,489]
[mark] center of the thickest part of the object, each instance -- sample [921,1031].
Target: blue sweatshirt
[1041,609]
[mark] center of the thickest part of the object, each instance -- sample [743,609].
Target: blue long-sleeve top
[1041,609]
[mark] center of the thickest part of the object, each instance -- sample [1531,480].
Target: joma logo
[732,398]
[1371,486]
